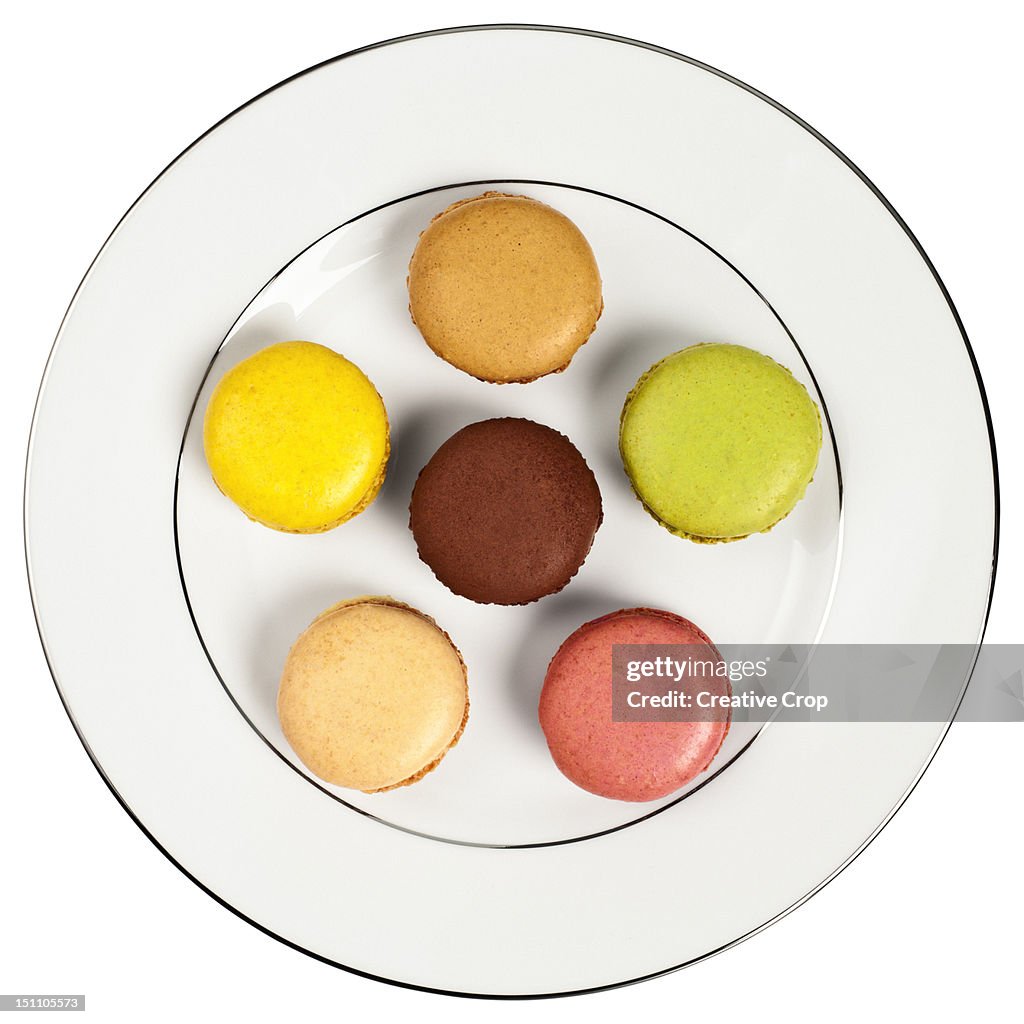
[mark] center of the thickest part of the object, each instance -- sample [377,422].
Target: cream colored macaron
[504,287]
[373,695]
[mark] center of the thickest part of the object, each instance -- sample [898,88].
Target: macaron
[505,511]
[626,760]
[373,695]
[504,287]
[297,437]
[719,442]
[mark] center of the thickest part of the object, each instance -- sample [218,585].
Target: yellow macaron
[297,437]
[373,695]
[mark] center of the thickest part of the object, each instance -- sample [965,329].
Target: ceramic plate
[166,616]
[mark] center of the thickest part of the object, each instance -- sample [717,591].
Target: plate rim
[876,192]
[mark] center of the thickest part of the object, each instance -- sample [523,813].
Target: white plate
[714,215]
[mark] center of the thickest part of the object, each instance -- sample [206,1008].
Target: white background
[97,97]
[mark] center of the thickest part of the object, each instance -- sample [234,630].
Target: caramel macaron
[504,287]
[373,695]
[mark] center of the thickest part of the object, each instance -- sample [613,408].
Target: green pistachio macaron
[719,442]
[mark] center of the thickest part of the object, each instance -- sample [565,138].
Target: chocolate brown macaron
[505,511]
[504,287]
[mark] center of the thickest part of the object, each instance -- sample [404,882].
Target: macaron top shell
[297,436]
[505,511]
[373,695]
[504,287]
[633,761]
[719,441]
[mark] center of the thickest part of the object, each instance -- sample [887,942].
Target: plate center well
[251,590]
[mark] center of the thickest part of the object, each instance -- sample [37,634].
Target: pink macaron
[625,760]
